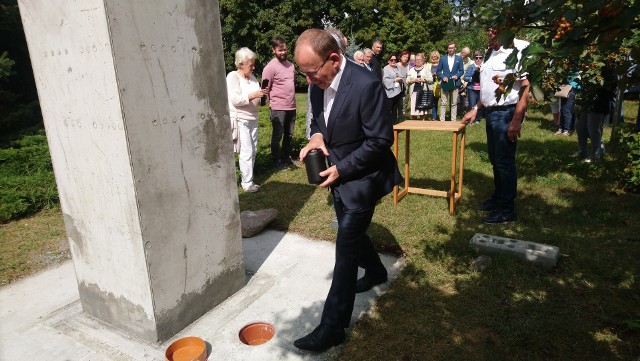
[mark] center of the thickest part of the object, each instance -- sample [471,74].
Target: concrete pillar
[134,100]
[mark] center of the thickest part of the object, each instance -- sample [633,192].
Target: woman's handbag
[424,99]
[437,92]
[234,134]
[563,92]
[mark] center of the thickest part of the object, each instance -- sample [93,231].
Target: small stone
[252,222]
[481,263]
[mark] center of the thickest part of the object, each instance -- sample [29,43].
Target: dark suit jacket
[376,66]
[458,69]
[358,136]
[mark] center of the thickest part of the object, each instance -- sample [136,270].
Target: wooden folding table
[458,130]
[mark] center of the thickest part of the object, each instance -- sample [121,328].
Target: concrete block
[541,254]
[253,222]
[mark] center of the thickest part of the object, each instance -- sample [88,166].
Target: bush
[27,183]
[628,158]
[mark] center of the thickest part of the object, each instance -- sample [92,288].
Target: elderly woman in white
[419,77]
[244,98]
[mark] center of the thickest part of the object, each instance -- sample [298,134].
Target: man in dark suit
[376,59]
[353,128]
[450,71]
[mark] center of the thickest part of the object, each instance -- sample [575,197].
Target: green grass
[587,308]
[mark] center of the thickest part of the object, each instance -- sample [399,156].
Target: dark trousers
[283,122]
[353,248]
[502,155]
[567,112]
[395,105]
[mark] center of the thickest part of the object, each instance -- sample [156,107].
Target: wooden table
[458,130]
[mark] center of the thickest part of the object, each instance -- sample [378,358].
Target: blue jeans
[502,155]
[567,112]
[474,95]
[283,122]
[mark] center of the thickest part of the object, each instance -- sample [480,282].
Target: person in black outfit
[376,60]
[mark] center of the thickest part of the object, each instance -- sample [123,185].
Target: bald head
[318,57]
[465,52]
[321,42]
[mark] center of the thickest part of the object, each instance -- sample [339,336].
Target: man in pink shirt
[282,98]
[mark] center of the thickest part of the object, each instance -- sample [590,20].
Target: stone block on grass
[538,253]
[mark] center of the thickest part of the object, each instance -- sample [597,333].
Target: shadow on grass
[584,308]
[287,198]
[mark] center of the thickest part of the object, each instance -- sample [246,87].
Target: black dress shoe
[487,206]
[321,339]
[500,217]
[367,281]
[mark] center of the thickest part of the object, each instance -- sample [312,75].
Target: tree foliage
[402,25]
[253,24]
[419,25]
[569,38]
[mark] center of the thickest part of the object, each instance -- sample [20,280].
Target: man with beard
[280,73]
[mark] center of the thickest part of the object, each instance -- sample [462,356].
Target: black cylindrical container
[315,162]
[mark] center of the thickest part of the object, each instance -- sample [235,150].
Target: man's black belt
[500,107]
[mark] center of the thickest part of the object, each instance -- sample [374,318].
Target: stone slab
[287,279]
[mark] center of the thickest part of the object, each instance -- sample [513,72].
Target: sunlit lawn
[586,308]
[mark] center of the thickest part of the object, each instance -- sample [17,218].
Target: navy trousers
[353,248]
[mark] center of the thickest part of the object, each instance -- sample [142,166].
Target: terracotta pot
[187,349]
[256,333]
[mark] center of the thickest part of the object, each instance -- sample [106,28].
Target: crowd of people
[415,87]
[352,105]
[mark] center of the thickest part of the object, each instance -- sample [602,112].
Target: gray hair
[367,51]
[243,55]
[358,52]
[342,41]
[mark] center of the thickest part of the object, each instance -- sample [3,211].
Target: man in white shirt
[504,113]
[450,71]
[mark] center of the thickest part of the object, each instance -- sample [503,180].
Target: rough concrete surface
[287,277]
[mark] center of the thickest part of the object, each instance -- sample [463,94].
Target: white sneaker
[578,154]
[588,160]
[252,188]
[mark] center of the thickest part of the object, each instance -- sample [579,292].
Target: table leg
[395,153]
[407,143]
[452,186]
[461,171]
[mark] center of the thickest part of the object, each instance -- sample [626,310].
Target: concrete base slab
[288,278]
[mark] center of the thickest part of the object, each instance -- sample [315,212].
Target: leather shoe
[367,281]
[500,217]
[487,206]
[320,339]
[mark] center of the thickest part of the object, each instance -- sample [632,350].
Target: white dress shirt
[495,65]
[330,92]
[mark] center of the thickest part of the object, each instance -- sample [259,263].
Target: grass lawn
[586,308]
